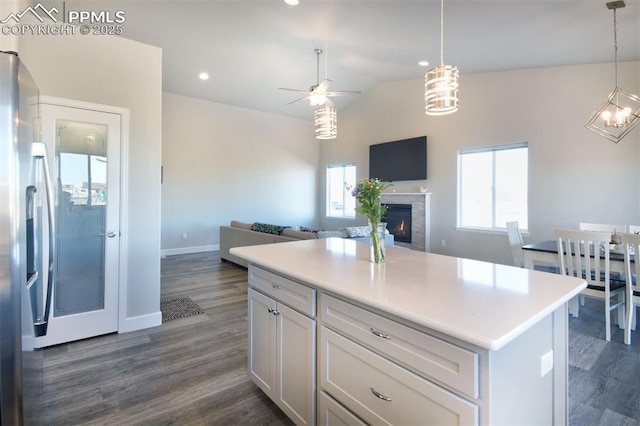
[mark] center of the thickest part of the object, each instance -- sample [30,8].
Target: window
[340,202]
[492,186]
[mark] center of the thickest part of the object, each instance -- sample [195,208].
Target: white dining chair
[515,242]
[602,227]
[633,229]
[586,254]
[631,245]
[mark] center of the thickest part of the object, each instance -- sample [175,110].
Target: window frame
[493,149]
[345,192]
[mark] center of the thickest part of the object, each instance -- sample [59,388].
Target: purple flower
[355,192]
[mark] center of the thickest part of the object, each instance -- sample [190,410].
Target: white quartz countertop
[485,304]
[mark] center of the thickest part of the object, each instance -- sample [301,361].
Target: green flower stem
[377,245]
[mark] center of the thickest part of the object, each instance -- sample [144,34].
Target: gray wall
[574,175]
[118,72]
[224,163]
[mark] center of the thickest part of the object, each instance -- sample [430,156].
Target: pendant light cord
[442,31]
[615,45]
[318,51]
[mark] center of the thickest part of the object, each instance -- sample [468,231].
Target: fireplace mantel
[420,216]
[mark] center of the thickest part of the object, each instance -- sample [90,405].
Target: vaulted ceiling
[250,48]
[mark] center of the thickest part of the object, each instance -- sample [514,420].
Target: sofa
[240,234]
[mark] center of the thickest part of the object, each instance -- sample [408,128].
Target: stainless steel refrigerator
[26,244]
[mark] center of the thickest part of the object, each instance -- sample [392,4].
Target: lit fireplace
[398,218]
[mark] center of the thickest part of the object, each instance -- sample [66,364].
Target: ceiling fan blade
[323,86]
[297,100]
[343,93]
[292,90]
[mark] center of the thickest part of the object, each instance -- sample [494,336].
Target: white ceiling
[252,47]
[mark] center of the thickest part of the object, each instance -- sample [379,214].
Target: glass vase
[377,252]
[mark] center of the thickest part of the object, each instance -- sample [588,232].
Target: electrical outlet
[546,363]
[184,235]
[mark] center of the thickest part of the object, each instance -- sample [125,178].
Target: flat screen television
[399,160]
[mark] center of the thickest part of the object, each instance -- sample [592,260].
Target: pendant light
[326,121]
[620,113]
[441,83]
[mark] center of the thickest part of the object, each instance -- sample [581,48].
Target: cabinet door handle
[270,310]
[275,286]
[379,334]
[276,312]
[379,395]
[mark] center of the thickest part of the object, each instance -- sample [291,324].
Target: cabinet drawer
[331,413]
[452,365]
[382,392]
[294,294]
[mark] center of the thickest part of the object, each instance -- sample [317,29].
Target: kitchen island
[421,339]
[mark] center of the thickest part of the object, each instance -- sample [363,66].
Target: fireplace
[398,218]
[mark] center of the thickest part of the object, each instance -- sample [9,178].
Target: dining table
[546,253]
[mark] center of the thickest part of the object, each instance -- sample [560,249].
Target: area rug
[178,307]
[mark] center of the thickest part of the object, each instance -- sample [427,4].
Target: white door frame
[124,190]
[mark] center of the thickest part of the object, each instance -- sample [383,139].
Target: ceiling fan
[318,93]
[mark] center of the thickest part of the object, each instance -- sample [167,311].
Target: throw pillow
[314,230]
[357,231]
[268,228]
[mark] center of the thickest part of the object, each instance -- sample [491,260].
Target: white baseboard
[188,250]
[140,322]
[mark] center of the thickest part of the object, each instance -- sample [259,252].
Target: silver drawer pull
[379,395]
[380,334]
[275,286]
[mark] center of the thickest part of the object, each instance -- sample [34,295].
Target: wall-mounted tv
[399,160]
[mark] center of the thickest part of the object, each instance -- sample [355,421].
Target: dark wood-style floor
[192,371]
[188,371]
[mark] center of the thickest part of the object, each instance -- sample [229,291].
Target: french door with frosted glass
[84,151]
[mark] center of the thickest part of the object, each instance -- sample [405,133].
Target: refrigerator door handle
[39,152]
[32,270]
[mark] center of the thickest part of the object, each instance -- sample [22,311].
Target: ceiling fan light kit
[441,83]
[620,113]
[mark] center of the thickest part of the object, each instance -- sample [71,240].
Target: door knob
[110,234]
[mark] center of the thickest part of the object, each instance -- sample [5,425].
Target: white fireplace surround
[420,220]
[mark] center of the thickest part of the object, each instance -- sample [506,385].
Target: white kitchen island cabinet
[282,346]
[423,339]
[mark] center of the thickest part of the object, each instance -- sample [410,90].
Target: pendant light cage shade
[620,113]
[617,116]
[326,122]
[441,90]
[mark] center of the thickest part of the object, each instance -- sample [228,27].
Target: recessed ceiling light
[292,2]
[203,76]
[423,63]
